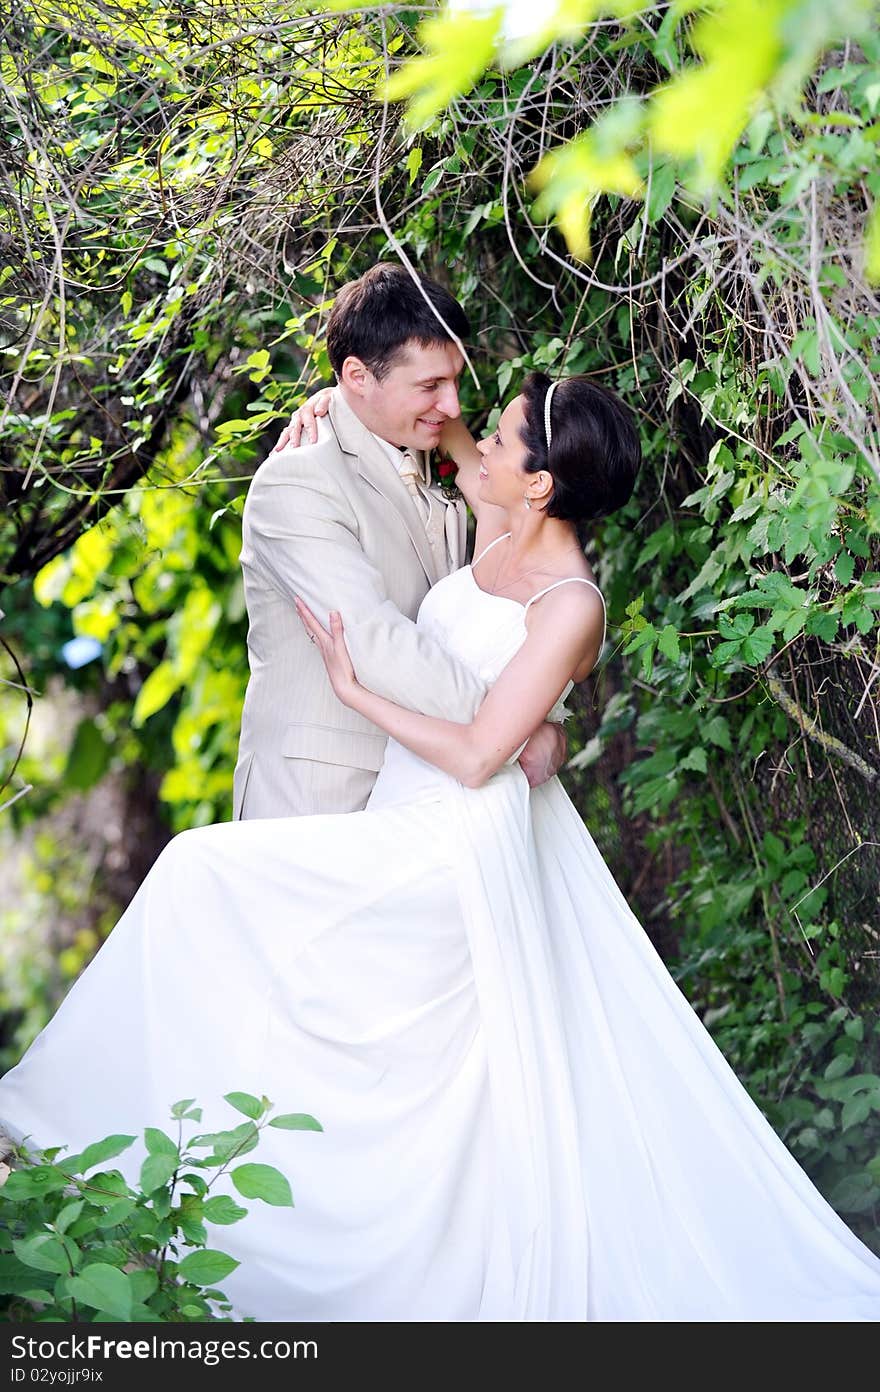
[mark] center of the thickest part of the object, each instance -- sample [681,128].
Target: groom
[353,523]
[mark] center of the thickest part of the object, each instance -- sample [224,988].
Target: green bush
[79,1243]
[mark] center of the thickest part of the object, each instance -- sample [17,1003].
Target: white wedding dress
[523,1118]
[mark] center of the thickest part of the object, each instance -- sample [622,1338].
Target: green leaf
[872,245]
[844,567]
[710,571]
[118,1212]
[662,188]
[159,1144]
[15,1277]
[840,1064]
[89,757]
[296,1121]
[156,1171]
[774,847]
[414,162]
[207,1267]
[259,363]
[104,1288]
[44,1252]
[723,652]
[228,1144]
[104,1185]
[96,1154]
[855,1111]
[856,1193]
[196,1182]
[695,759]
[244,1102]
[857,542]
[458,48]
[251,425]
[718,731]
[833,981]
[823,625]
[193,1230]
[572,175]
[32,1181]
[223,1209]
[263,1182]
[736,626]
[647,634]
[143,1284]
[668,643]
[155,693]
[69,1214]
[758,645]
[794,623]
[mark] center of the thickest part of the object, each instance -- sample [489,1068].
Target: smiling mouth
[432,425]
[484,472]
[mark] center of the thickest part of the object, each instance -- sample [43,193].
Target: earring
[526,501]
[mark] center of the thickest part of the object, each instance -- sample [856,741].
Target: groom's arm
[300,532]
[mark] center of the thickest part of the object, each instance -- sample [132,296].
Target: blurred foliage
[717,69]
[183,192]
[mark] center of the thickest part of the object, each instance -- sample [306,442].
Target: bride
[523,1118]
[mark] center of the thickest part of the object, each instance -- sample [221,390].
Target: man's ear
[355,375]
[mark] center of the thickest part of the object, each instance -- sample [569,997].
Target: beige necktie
[411,473]
[429,508]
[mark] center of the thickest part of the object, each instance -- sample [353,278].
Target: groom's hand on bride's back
[544,754]
[302,428]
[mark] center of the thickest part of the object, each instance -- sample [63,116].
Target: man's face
[412,401]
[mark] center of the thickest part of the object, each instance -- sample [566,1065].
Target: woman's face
[503,479]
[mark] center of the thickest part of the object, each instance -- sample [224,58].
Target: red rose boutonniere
[443,472]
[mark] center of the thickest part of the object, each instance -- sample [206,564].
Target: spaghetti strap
[488,548]
[569,580]
[573,579]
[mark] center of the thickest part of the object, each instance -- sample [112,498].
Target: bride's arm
[458,444]
[565,631]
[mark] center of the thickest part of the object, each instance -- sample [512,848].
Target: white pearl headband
[547,400]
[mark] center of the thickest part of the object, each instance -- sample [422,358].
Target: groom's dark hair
[375,316]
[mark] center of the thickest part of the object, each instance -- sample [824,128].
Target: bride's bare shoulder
[569,597]
[574,610]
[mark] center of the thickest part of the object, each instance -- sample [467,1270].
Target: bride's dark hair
[595,452]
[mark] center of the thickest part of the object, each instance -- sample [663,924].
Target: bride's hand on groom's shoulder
[302,428]
[333,650]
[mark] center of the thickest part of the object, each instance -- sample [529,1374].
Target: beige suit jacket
[333,523]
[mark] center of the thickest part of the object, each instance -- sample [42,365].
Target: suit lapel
[376,469]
